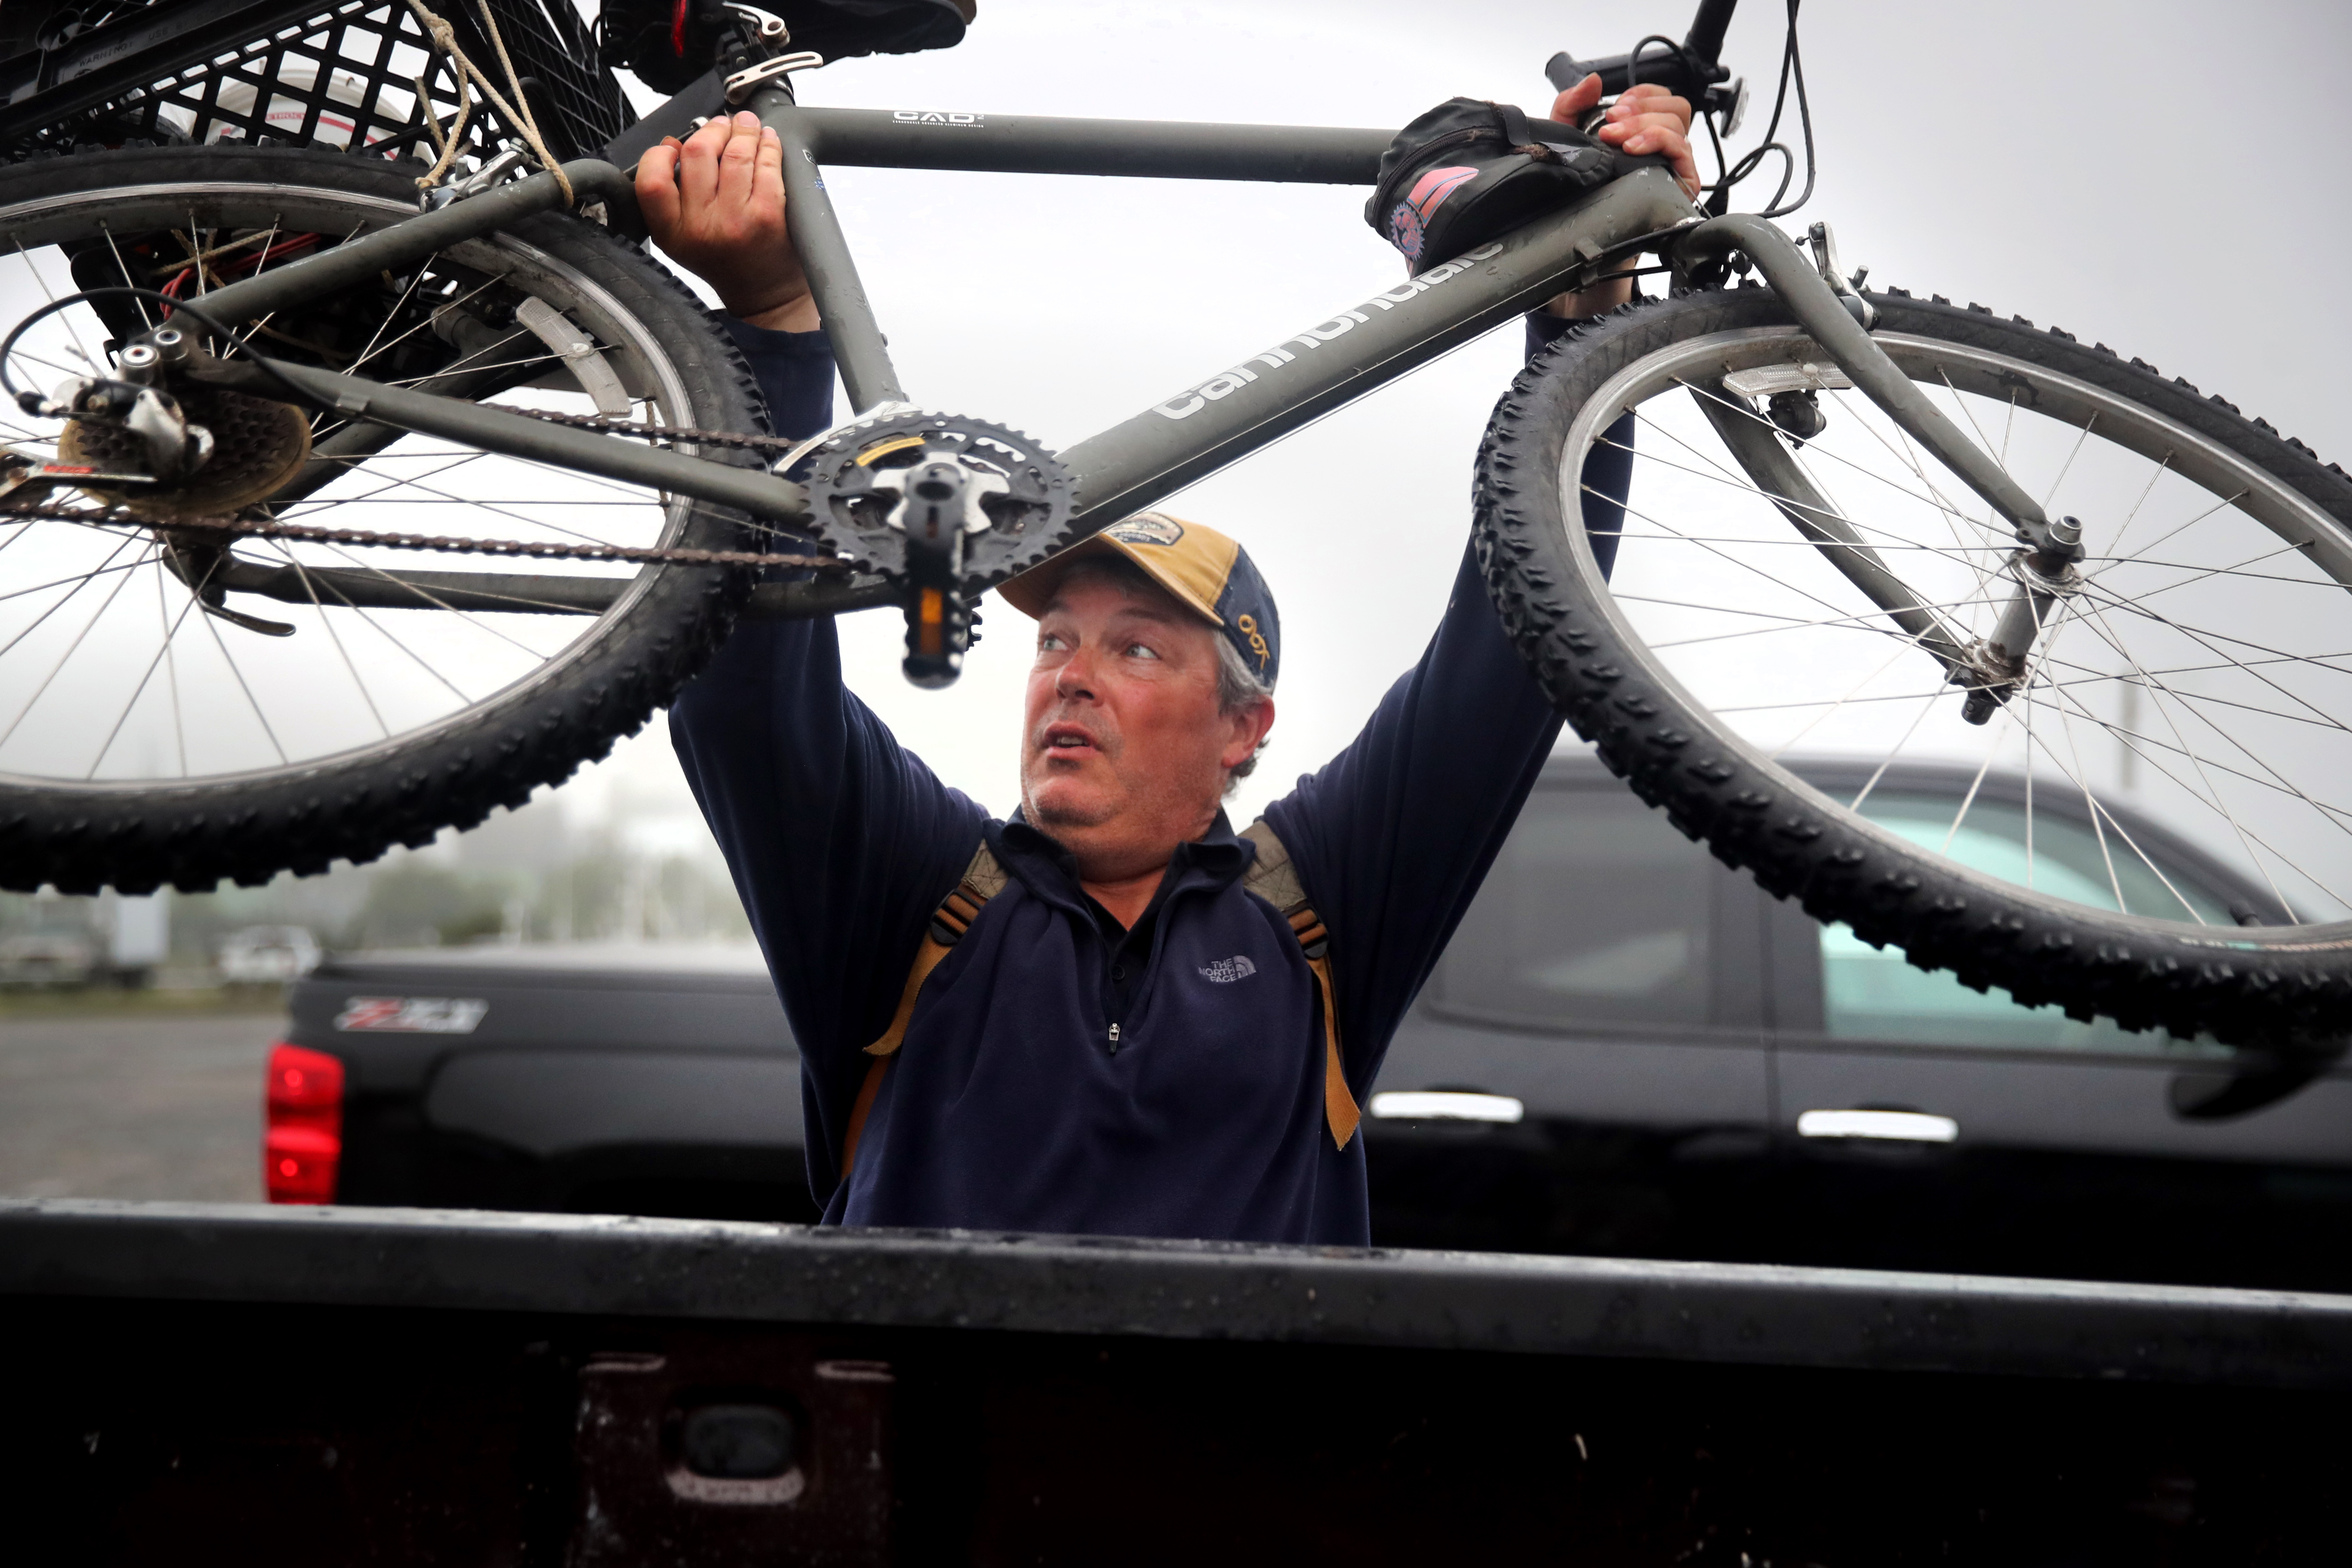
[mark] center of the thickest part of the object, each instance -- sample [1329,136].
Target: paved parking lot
[133,1107]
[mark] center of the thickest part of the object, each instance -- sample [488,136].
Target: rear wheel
[2197,676]
[170,713]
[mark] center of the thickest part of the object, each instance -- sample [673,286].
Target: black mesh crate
[336,73]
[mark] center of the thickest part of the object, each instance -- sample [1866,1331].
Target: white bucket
[285,114]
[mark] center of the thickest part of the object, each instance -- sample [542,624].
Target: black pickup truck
[1627,1051]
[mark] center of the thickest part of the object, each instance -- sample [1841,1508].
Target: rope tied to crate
[517,114]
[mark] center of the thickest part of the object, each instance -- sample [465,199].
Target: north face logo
[1225,971]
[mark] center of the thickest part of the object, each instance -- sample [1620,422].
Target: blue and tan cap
[1206,572]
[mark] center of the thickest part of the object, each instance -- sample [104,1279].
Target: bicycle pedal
[939,633]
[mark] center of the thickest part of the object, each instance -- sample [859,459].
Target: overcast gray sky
[2162,176]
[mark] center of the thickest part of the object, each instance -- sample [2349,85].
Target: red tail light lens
[304,1140]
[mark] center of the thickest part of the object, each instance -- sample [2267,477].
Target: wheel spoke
[2219,810]
[49,295]
[2212,795]
[398,305]
[251,702]
[327,623]
[436,601]
[2162,469]
[1885,538]
[42,690]
[431,317]
[172,625]
[2081,779]
[2051,495]
[2146,859]
[123,268]
[1739,408]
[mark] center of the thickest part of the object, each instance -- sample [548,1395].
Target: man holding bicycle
[1108,1026]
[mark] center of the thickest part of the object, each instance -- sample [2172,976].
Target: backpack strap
[1273,877]
[982,881]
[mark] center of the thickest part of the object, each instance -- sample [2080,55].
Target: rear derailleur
[171,450]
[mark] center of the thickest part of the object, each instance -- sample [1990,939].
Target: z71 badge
[412,1015]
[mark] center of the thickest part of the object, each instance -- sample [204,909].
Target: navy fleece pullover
[1012,1104]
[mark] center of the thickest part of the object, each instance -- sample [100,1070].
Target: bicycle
[1749,611]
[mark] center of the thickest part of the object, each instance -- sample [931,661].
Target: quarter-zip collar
[1128,957]
[1049,871]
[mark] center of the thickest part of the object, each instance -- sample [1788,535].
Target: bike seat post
[858,344]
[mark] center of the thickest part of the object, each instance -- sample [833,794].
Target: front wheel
[2151,822]
[173,711]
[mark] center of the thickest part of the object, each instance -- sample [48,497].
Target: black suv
[1627,1050]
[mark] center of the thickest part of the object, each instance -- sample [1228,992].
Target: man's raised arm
[840,840]
[1393,836]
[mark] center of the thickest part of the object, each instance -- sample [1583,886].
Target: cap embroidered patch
[1147,529]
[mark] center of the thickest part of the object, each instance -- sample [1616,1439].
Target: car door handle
[1897,1126]
[1446,1105]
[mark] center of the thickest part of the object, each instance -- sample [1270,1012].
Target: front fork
[1839,320]
[1993,670]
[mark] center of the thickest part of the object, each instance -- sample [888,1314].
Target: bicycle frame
[1211,423]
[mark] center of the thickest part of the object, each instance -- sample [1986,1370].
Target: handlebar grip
[1706,37]
[1563,70]
[1618,72]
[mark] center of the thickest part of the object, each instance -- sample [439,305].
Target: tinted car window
[1595,914]
[1871,994]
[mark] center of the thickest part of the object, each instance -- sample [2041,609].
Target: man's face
[1123,753]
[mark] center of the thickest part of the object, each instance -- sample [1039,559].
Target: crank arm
[1817,308]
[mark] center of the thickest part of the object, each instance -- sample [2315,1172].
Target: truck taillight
[304,1139]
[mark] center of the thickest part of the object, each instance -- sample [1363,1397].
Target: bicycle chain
[307,533]
[612,426]
[450,545]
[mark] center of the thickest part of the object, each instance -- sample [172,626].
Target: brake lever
[766,25]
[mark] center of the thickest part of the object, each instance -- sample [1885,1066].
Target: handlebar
[1693,72]
[1705,40]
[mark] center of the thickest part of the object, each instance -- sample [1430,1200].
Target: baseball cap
[1207,572]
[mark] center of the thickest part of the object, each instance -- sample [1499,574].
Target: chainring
[852,493]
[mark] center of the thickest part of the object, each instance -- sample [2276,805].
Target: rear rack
[331,73]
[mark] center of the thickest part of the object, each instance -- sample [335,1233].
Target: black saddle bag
[1469,170]
[669,43]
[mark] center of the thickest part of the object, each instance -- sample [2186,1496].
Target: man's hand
[715,203]
[1646,117]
